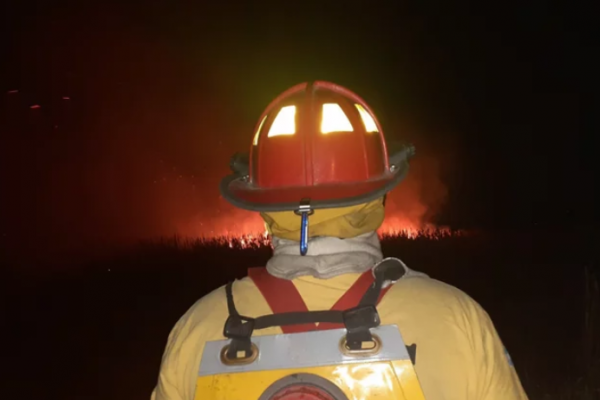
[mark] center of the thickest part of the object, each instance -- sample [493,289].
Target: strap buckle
[358,322]
[239,329]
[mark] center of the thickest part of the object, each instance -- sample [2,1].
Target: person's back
[334,263]
[459,355]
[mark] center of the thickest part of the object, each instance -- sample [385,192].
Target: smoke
[134,148]
[415,203]
[125,183]
[412,206]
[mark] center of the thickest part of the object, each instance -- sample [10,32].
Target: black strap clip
[358,321]
[238,328]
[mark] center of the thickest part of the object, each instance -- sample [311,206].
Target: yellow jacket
[459,354]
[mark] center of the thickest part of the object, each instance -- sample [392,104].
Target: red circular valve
[303,386]
[302,392]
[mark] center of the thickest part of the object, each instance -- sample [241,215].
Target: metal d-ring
[361,352]
[239,361]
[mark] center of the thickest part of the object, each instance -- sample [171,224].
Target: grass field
[98,331]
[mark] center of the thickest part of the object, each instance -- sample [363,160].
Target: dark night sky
[494,98]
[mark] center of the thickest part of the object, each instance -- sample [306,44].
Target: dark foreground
[98,332]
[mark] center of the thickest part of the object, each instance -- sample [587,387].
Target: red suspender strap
[281,295]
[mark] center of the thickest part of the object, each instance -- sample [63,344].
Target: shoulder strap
[282,296]
[352,298]
[357,320]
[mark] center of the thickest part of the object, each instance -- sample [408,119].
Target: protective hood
[342,223]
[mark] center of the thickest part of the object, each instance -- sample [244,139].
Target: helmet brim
[240,192]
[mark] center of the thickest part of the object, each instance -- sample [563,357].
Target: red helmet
[318,144]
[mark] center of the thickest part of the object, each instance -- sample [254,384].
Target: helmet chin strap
[304,210]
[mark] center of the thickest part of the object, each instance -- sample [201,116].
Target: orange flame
[260,240]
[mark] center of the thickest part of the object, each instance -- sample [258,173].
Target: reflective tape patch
[305,349]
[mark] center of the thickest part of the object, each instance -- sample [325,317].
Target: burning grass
[263,240]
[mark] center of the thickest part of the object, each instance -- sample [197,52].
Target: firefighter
[330,317]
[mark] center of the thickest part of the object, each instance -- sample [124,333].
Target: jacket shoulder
[430,292]
[210,311]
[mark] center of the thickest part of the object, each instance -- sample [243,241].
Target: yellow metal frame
[383,380]
[390,374]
